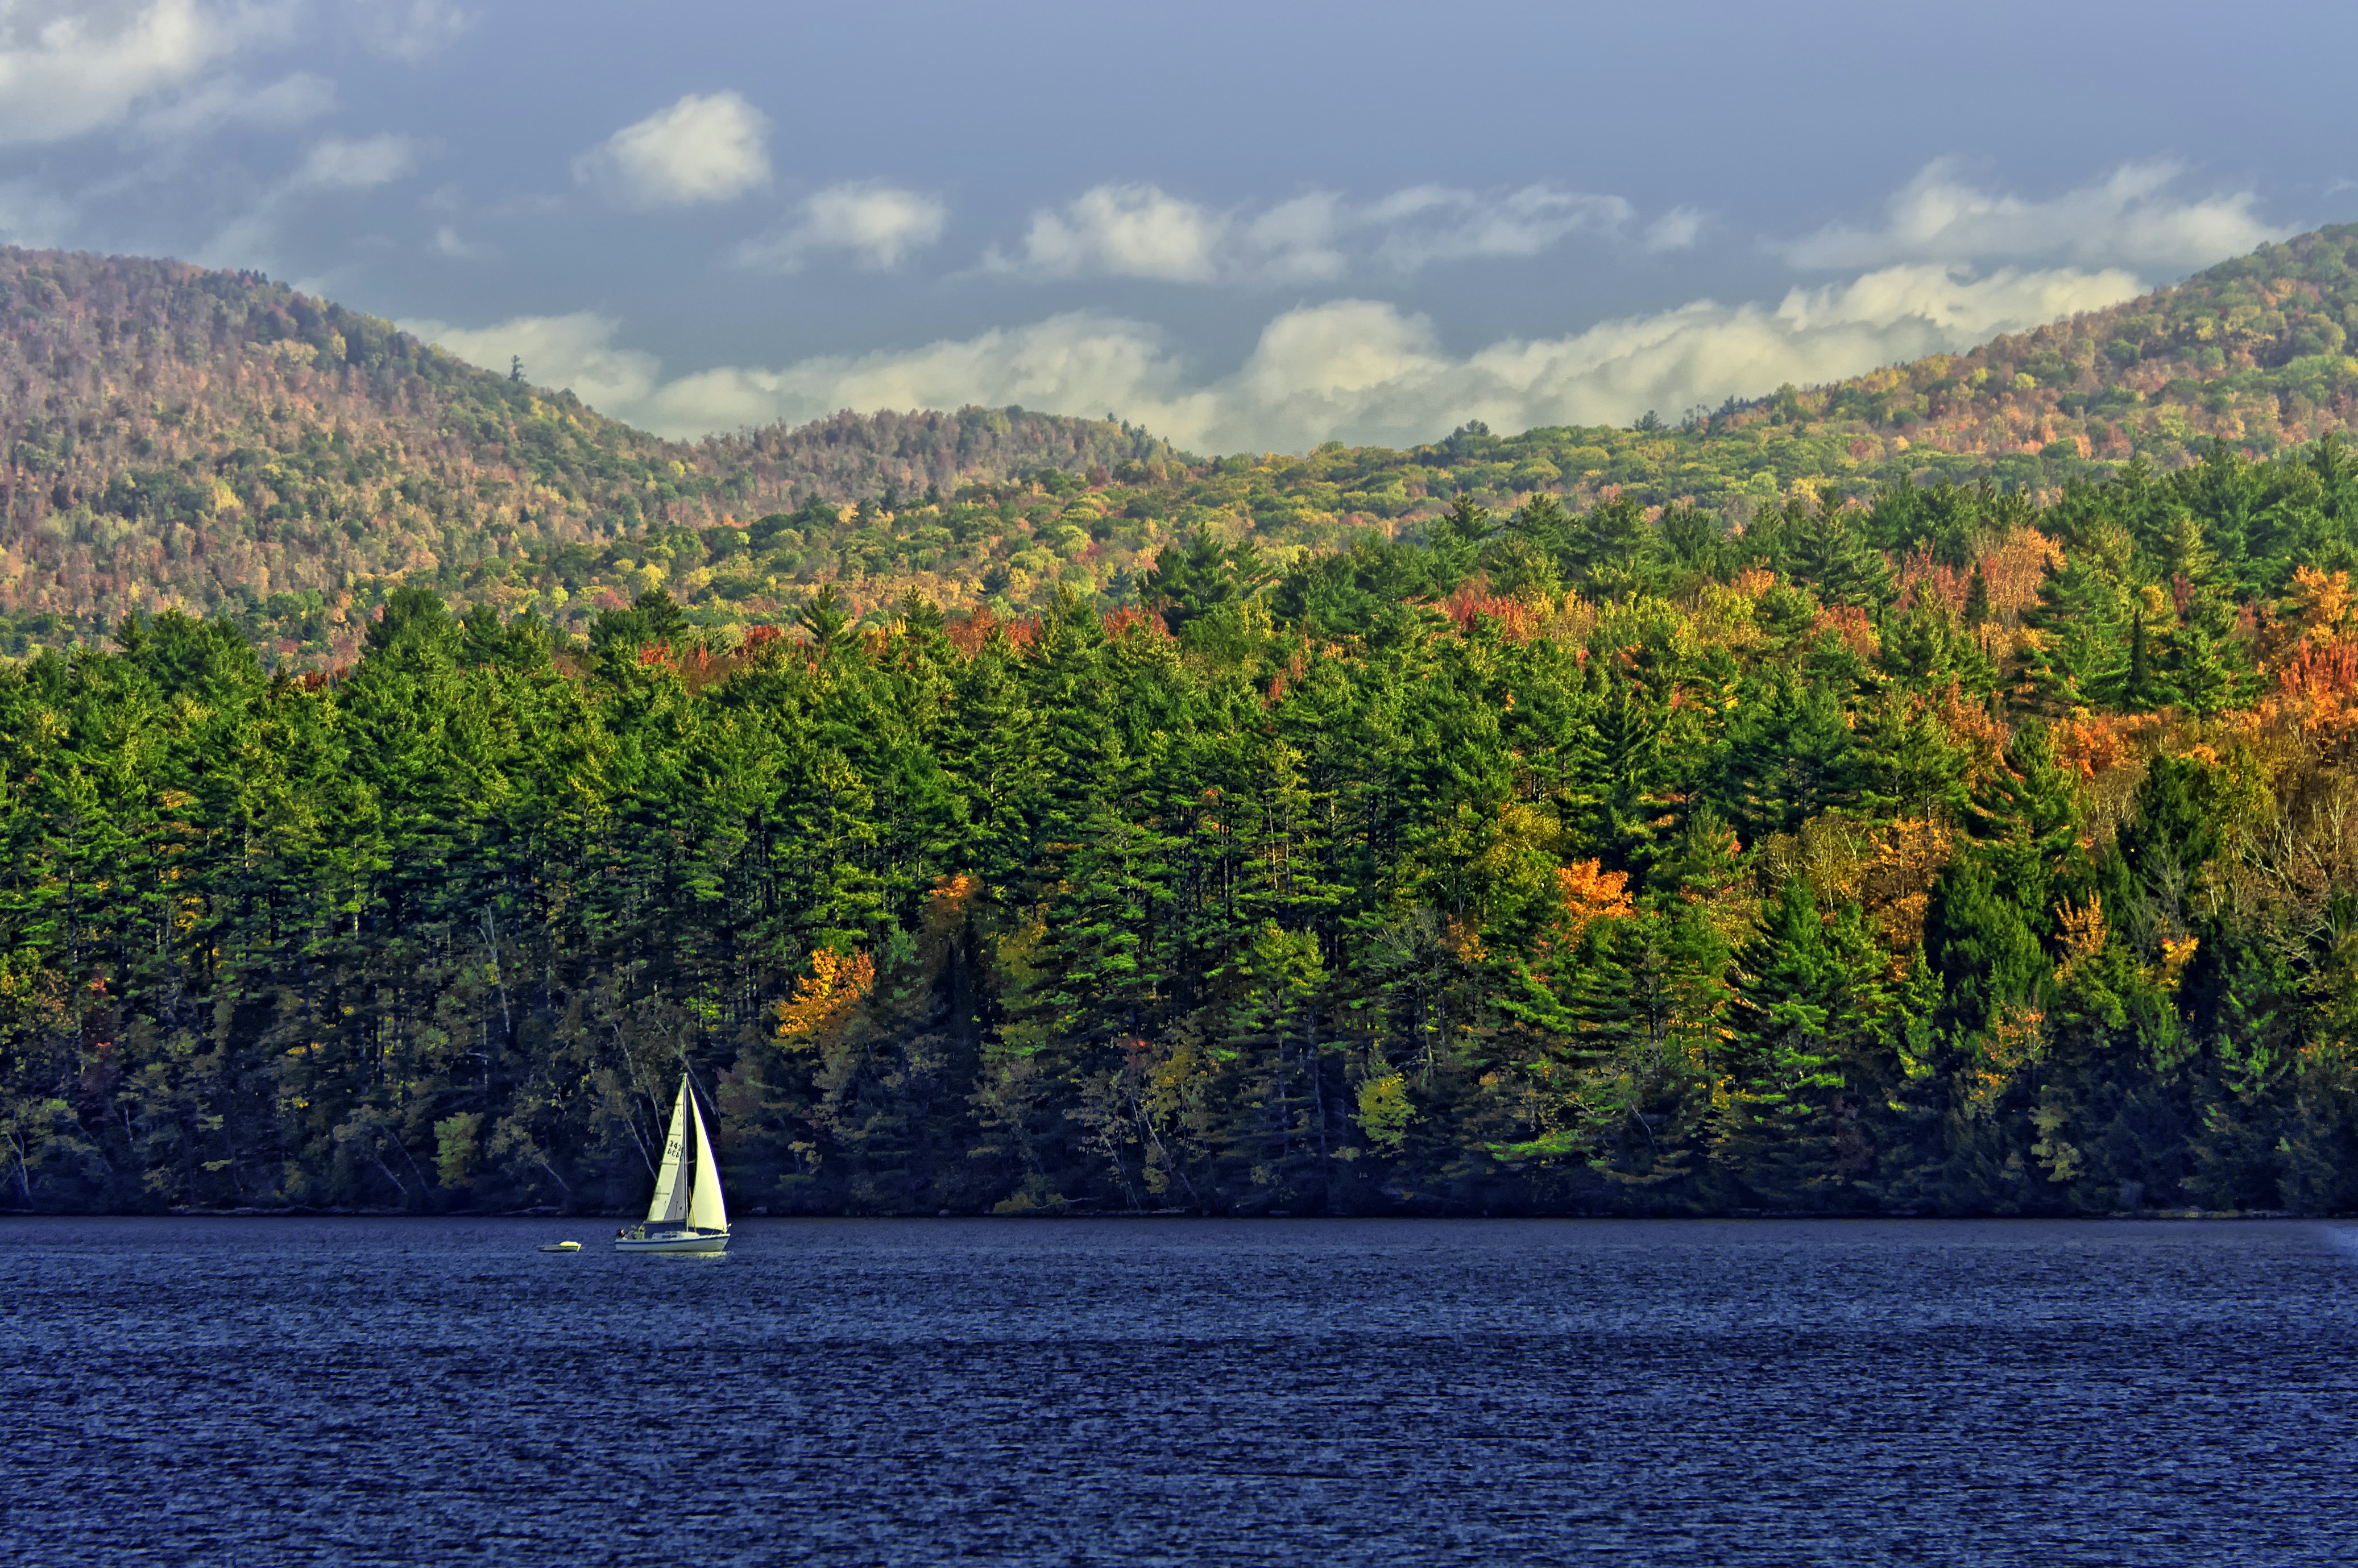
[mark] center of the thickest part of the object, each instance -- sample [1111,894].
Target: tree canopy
[1955,850]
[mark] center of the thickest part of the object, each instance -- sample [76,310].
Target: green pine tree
[1809,996]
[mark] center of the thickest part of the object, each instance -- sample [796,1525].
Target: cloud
[338,165]
[2127,219]
[879,225]
[1143,232]
[1352,370]
[1124,230]
[1429,223]
[1297,241]
[289,102]
[411,31]
[1676,229]
[1068,361]
[574,351]
[706,147]
[70,67]
[331,166]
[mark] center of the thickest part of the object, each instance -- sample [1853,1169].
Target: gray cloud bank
[1949,266]
[1352,370]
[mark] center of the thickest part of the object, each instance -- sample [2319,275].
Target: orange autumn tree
[825,998]
[1591,894]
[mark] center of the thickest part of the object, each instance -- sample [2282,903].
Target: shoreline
[2157,1216]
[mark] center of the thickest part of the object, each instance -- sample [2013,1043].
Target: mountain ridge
[216,442]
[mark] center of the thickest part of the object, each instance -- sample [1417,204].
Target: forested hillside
[215,443]
[1962,852]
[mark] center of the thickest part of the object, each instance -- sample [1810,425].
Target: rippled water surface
[1316,1392]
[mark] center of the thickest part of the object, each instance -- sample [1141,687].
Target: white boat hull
[675,1242]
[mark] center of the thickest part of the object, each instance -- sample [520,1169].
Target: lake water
[258,1392]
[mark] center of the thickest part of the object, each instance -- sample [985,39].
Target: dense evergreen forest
[222,445]
[1967,849]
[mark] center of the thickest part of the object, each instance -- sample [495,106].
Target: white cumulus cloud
[1352,370]
[2128,218]
[706,147]
[70,67]
[1124,230]
[880,225]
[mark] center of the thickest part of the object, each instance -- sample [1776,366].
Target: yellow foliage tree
[1591,893]
[823,998]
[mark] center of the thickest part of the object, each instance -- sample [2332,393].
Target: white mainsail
[671,1199]
[704,1210]
[687,1215]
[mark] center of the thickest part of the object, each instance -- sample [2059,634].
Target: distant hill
[217,442]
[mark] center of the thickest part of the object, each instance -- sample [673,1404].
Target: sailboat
[687,1215]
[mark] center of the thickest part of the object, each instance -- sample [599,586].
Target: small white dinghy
[560,1247]
[687,1215]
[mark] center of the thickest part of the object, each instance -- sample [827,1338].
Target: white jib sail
[706,1211]
[670,1204]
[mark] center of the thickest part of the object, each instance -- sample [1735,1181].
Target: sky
[1247,227]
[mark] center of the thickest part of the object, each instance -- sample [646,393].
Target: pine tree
[1191,577]
[2081,620]
[2202,666]
[1280,1135]
[1981,943]
[1455,538]
[1789,755]
[1828,550]
[2027,813]
[2152,879]
[1607,546]
[827,621]
[1622,776]
[1904,761]
[1542,520]
[1977,598]
[2139,687]
[1809,995]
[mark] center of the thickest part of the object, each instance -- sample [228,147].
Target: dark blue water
[1315,1393]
